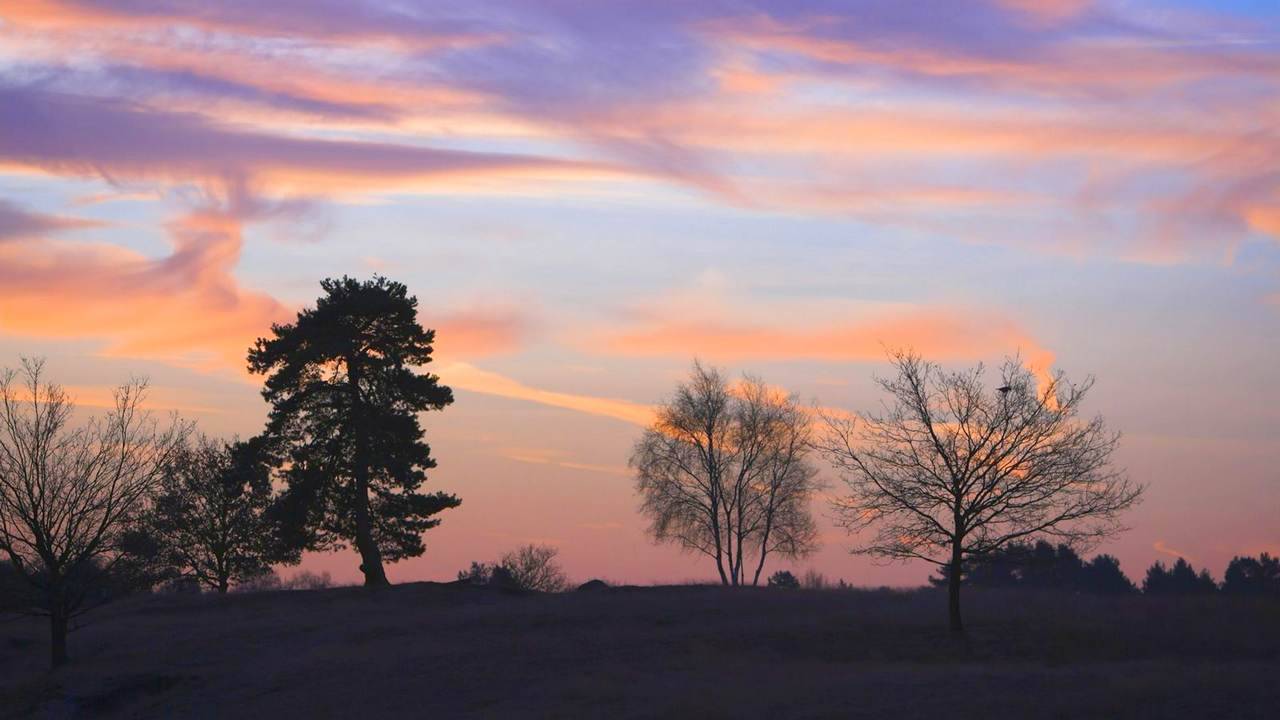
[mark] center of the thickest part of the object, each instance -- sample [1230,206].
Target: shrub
[478,574]
[784,579]
[534,567]
[307,580]
[529,567]
[266,582]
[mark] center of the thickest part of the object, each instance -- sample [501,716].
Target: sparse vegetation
[654,651]
[784,579]
[528,567]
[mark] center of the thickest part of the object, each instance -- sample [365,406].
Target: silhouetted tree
[534,567]
[1181,579]
[951,470]
[1252,576]
[1103,576]
[725,472]
[210,514]
[69,496]
[1052,568]
[1041,566]
[344,422]
[784,579]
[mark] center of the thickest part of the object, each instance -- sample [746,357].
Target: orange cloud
[937,333]
[1077,66]
[1160,547]
[140,306]
[477,331]
[185,308]
[468,377]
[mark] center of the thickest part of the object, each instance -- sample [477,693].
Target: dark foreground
[428,650]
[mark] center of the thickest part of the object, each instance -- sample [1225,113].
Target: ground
[446,651]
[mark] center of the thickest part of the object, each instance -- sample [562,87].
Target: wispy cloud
[468,377]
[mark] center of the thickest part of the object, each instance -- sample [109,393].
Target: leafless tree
[209,515]
[534,567]
[724,472]
[68,495]
[950,470]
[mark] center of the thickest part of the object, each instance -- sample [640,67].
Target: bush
[266,582]
[478,574]
[529,567]
[307,580]
[534,567]
[784,579]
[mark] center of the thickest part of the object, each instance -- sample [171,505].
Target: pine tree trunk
[370,555]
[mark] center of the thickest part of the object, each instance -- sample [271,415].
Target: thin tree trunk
[57,634]
[715,531]
[764,548]
[741,575]
[953,591]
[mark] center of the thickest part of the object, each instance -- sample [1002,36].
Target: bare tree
[534,567]
[724,472]
[950,470]
[209,515]
[68,496]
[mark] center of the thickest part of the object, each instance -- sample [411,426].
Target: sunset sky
[584,196]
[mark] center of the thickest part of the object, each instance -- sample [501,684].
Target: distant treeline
[1044,566]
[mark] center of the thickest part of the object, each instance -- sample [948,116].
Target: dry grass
[454,651]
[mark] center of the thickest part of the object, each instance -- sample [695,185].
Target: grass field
[444,651]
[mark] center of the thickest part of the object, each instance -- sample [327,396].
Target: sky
[584,196]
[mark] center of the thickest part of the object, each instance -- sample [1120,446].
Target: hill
[437,650]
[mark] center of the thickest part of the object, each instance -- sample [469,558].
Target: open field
[432,650]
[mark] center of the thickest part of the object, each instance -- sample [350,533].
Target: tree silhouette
[724,472]
[1041,566]
[344,422]
[1252,576]
[1103,576]
[783,579]
[69,496]
[952,471]
[210,515]
[534,567]
[1181,579]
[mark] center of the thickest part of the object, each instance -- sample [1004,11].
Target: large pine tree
[345,398]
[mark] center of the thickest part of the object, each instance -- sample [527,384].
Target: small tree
[69,496]
[528,567]
[210,514]
[724,472]
[346,398]
[951,471]
[534,567]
